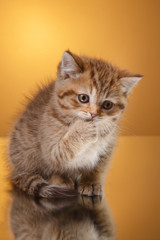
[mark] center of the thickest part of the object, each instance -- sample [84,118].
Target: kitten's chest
[90,155]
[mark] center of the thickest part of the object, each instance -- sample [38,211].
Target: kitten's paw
[86,130]
[90,189]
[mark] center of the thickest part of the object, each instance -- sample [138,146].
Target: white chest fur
[89,156]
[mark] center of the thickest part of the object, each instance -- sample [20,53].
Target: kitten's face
[97,93]
[81,98]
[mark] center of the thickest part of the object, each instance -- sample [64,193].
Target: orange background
[34,34]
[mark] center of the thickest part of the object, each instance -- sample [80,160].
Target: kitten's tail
[36,186]
[51,191]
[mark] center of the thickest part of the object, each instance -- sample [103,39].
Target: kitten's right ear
[128,83]
[71,65]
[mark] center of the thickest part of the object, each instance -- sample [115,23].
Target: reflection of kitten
[77,218]
[67,132]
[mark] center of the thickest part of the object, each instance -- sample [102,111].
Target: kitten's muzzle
[93,114]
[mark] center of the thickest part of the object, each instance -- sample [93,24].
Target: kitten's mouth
[92,118]
[89,117]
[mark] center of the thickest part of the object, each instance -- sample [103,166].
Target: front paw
[86,130]
[90,189]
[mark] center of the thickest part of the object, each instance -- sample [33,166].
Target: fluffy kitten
[67,219]
[65,137]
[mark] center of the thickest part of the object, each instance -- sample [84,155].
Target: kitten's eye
[83,98]
[107,105]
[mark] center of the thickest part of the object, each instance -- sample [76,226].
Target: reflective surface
[132,192]
[78,218]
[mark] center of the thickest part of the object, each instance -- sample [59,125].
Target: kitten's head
[92,89]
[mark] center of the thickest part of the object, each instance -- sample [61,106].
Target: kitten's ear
[71,65]
[128,83]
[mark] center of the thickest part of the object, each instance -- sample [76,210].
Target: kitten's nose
[93,114]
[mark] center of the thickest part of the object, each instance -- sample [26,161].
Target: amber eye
[107,105]
[83,98]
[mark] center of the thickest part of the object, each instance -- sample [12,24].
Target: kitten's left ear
[129,82]
[71,65]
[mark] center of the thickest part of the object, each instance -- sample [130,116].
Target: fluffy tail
[35,185]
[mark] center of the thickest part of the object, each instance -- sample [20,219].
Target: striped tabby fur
[60,145]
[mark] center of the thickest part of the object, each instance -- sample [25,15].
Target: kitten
[77,218]
[65,136]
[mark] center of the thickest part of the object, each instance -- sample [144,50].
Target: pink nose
[93,114]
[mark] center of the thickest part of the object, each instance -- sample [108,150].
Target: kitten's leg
[91,183]
[63,155]
[62,181]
